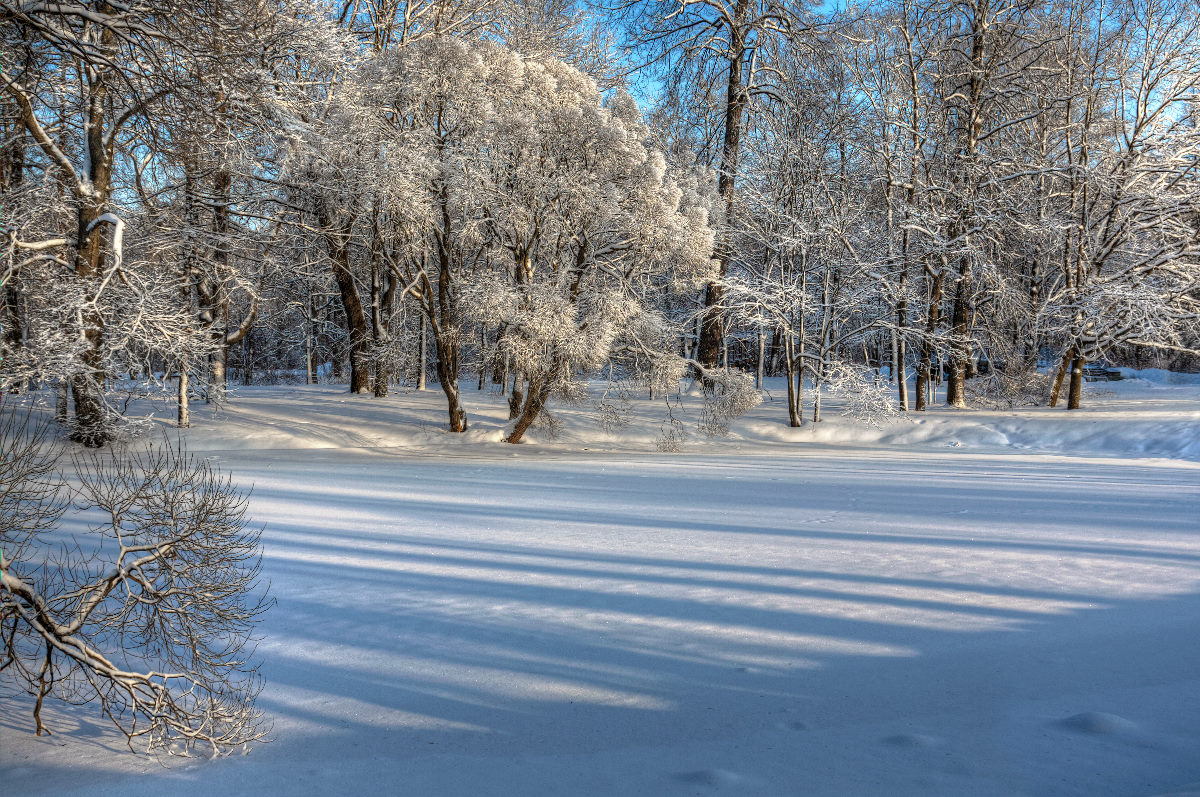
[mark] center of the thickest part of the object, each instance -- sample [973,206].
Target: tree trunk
[183,417]
[1063,367]
[712,332]
[535,402]
[900,354]
[247,362]
[443,323]
[1076,391]
[932,319]
[956,386]
[10,320]
[761,364]
[817,384]
[517,398]
[482,357]
[447,371]
[217,366]
[794,385]
[383,290]
[308,357]
[422,348]
[338,240]
[60,402]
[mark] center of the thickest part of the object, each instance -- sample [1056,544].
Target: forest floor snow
[969,603]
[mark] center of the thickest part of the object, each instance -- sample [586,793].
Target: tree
[698,44]
[589,217]
[151,613]
[1128,266]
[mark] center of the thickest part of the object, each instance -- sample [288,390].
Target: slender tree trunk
[60,402]
[482,357]
[447,371]
[517,398]
[932,319]
[308,357]
[761,364]
[899,356]
[712,332]
[956,386]
[795,411]
[1063,367]
[443,323]
[10,320]
[422,353]
[314,339]
[247,361]
[183,417]
[337,239]
[817,384]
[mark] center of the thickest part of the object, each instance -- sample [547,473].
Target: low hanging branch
[151,614]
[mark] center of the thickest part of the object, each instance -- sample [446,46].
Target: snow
[972,603]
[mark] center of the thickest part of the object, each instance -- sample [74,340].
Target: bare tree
[151,613]
[698,44]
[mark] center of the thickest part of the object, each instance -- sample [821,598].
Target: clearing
[975,603]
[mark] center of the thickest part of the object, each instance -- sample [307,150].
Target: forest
[905,201]
[786,302]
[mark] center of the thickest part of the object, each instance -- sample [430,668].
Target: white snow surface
[969,603]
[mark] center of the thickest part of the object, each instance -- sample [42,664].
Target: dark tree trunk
[1076,391]
[712,333]
[932,319]
[1059,375]
[534,403]
[383,288]
[956,385]
[338,240]
[794,373]
[443,322]
[92,425]
[10,319]
[447,371]
[516,398]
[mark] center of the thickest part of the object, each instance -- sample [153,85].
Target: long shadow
[1095,518]
[392,566]
[373,657]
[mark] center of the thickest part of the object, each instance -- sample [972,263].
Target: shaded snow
[982,603]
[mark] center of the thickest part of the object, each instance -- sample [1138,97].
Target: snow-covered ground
[972,603]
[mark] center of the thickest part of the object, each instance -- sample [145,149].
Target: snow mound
[1190,790]
[1099,722]
[715,778]
[913,740]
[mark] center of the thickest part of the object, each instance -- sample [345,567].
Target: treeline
[909,192]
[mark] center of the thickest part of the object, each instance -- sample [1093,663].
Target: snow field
[753,616]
